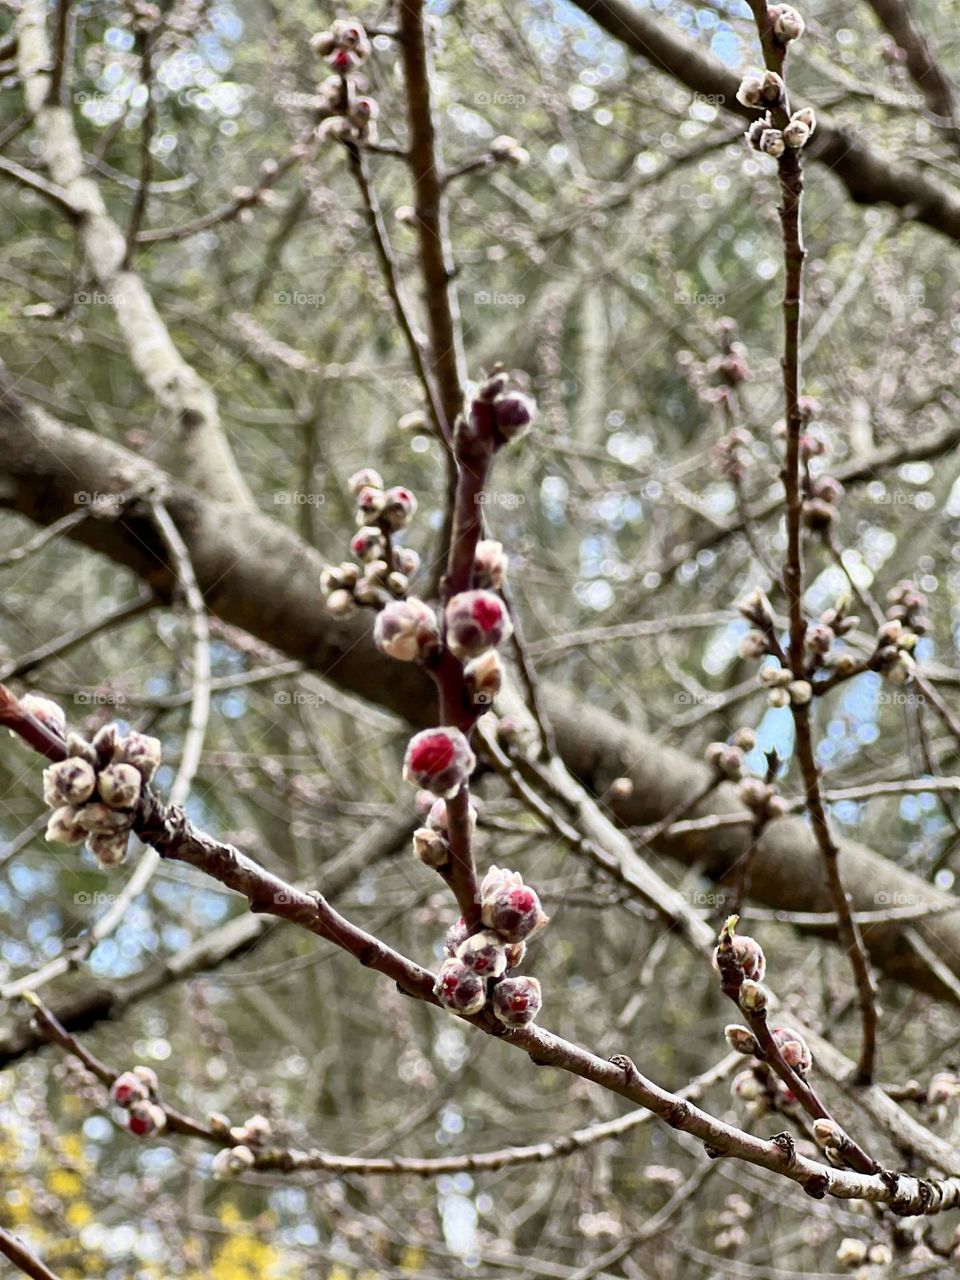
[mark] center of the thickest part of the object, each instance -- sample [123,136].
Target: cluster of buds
[731,454]
[784,689]
[715,380]
[793,1049]
[95,791]
[760,1091]
[761,798]
[499,410]
[384,571]
[894,653]
[819,508]
[761,89]
[475,963]
[248,1139]
[727,757]
[857,1253]
[136,1092]
[907,605]
[786,23]
[765,137]
[508,151]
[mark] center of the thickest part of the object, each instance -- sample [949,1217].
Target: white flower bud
[69,782]
[341,604]
[63,828]
[231,1161]
[431,847]
[796,134]
[772,143]
[778,698]
[46,711]
[119,786]
[787,23]
[109,850]
[141,751]
[850,1252]
[800,691]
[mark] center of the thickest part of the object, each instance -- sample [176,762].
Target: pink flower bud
[483,953]
[127,1089]
[509,906]
[399,508]
[459,989]
[455,935]
[439,760]
[514,412]
[431,847]
[70,781]
[407,560]
[119,786]
[143,752]
[740,1039]
[437,815]
[407,630]
[146,1118]
[341,604]
[46,711]
[63,827]
[793,1048]
[322,43]
[368,544]
[476,621]
[490,564]
[365,478]
[517,1001]
[749,955]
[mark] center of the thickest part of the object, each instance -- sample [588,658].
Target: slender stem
[23,1259]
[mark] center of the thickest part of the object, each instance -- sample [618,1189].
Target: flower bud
[148,1078]
[787,23]
[756,608]
[431,847]
[69,782]
[514,951]
[755,793]
[808,116]
[459,989]
[753,645]
[146,1118]
[850,1252]
[416,419]
[109,850]
[63,828]
[753,998]
[490,564]
[772,143]
[793,1048]
[772,89]
[231,1161]
[778,698]
[506,150]
[368,543]
[365,478]
[455,936]
[517,1001]
[399,509]
[476,621]
[800,691]
[127,1089]
[407,630]
[143,752]
[745,739]
[483,677]
[509,906]
[322,43]
[46,711]
[796,135]
[620,789]
[740,1039]
[483,953]
[407,560]
[818,514]
[439,760]
[818,638]
[902,670]
[119,786]
[514,413]
[100,818]
[748,954]
[748,94]
[437,815]
[341,604]
[828,1133]
[80,748]
[370,503]
[746,1086]
[257,1129]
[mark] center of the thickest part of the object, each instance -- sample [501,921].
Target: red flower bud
[146,1118]
[459,989]
[509,906]
[399,508]
[368,543]
[439,760]
[517,1001]
[370,502]
[455,935]
[127,1089]
[476,621]
[406,630]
